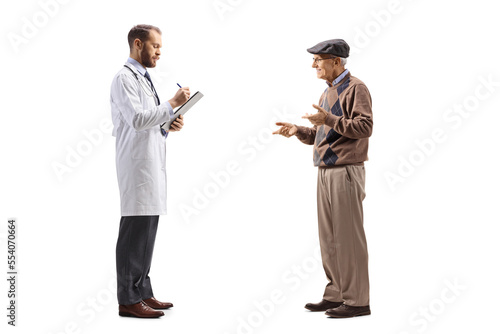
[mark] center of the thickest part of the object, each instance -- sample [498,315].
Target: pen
[179,86]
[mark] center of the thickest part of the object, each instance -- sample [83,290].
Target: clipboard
[182,109]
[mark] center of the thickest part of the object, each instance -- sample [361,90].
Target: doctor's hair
[140,31]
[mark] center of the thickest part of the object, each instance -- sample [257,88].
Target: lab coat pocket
[141,147]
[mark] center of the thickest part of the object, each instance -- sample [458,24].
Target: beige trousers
[341,191]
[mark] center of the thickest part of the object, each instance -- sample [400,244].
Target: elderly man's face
[325,66]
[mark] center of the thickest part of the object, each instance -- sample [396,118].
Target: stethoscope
[151,92]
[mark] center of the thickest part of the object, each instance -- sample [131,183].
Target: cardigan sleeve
[305,134]
[357,120]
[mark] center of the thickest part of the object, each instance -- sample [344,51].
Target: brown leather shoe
[153,303]
[346,311]
[322,305]
[139,310]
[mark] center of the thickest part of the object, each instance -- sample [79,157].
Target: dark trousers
[134,252]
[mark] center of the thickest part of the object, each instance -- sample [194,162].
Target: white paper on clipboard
[182,109]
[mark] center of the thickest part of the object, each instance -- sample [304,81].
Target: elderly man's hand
[318,118]
[177,124]
[287,129]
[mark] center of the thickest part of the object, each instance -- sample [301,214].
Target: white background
[435,227]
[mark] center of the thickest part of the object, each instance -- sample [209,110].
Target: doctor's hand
[287,129]
[180,97]
[177,124]
[318,118]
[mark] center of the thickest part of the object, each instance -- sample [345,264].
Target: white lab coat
[140,146]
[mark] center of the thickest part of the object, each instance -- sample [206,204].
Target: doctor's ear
[138,43]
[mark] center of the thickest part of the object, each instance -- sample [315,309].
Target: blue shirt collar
[338,79]
[137,65]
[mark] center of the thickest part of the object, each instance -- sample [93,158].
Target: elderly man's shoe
[346,311]
[139,310]
[156,304]
[322,305]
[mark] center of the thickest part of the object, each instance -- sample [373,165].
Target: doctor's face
[150,52]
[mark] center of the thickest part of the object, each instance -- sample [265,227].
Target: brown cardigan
[343,139]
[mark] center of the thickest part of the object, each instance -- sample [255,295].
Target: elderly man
[340,132]
[140,163]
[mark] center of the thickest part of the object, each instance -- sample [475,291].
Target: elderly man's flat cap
[336,47]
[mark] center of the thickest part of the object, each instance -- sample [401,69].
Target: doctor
[140,164]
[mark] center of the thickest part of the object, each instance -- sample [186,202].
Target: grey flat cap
[336,47]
